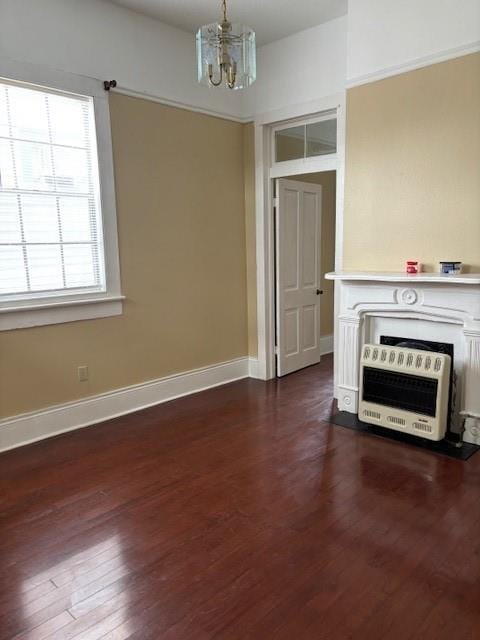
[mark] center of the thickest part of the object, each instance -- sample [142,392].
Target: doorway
[313,156]
[304,224]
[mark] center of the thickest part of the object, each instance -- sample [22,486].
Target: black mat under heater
[351,421]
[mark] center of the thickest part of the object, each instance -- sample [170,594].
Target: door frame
[264,125]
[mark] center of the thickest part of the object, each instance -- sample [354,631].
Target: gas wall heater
[405,389]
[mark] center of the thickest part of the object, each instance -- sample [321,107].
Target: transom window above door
[58,244]
[306,140]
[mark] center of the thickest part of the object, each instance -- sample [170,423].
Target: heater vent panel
[400,390]
[405,389]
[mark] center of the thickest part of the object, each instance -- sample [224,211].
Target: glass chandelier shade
[226,54]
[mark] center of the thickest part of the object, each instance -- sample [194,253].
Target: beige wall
[413,168]
[250,233]
[186,217]
[328,181]
[180,206]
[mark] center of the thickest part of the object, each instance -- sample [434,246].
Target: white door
[298,223]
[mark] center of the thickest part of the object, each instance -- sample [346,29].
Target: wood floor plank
[237,513]
[45,630]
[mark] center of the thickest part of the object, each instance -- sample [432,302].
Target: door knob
[319,292]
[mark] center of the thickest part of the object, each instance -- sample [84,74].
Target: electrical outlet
[83,373]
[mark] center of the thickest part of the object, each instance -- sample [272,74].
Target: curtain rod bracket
[109,84]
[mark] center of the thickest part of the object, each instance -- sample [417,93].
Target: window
[303,141]
[53,231]
[50,218]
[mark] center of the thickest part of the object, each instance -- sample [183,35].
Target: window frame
[70,306]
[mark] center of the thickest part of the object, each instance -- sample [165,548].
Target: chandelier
[226,55]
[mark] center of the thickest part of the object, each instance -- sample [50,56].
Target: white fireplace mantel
[411,278]
[430,306]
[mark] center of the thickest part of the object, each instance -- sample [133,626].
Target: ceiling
[271,19]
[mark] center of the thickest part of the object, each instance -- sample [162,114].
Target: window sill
[43,313]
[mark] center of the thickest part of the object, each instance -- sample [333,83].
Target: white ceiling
[271,19]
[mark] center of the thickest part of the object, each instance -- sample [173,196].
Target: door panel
[309,247]
[291,241]
[298,224]
[292,332]
[309,327]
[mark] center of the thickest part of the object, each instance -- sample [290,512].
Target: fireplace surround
[424,306]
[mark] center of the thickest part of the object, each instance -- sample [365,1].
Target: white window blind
[50,217]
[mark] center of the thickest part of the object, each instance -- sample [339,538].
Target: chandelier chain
[224,9]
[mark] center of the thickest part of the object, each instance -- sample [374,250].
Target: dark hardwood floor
[238,513]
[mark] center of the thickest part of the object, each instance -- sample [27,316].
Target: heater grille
[376,415]
[424,428]
[400,390]
[408,359]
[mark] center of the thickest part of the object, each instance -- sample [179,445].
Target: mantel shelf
[411,278]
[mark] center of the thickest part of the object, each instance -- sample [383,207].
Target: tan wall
[180,206]
[413,168]
[250,233]
[328,181]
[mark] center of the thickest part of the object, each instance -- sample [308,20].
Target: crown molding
[411,65]
[181,105]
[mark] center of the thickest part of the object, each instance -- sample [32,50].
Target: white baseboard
[326,344]
[254,369]
[31,427]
